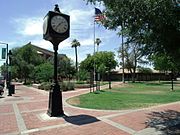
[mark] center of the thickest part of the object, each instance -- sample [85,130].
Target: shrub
[80,82]
[45,86]
[66,86]
[63,86]
[82,86]
[28,82]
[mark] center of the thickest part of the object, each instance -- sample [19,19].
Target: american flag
[98,15]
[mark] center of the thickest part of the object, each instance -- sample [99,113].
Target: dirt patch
[119,85]
[73,101]
[138,92]
[149,92]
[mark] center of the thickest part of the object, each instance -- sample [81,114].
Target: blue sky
[21,22]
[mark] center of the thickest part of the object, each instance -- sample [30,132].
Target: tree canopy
[103,61]
[24,60]
[28,64]
[153,23]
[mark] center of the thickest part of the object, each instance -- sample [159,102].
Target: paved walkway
[25,113]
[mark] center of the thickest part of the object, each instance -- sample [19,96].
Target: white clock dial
[59,24]
[45,24]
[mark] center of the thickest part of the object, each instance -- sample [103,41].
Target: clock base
[55,108]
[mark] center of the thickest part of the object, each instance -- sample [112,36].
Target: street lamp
[9,74]
[56,28]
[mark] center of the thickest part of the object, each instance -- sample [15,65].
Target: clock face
[45,24]
[59,24]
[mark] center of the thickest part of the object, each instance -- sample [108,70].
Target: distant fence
[139,76]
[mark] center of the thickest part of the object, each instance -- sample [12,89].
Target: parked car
[2,81]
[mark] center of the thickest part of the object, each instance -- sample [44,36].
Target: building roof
[44,51]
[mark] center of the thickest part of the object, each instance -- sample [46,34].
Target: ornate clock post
[56,28]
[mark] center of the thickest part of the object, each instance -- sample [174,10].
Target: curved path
[25,113]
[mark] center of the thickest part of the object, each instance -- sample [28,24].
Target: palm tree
[75,43]
[97,41]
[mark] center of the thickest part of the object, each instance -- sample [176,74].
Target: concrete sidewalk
[25,113]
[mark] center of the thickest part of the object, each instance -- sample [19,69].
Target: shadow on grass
[102,90]
[154,84]
[80,119]
[98,91]
[157,83]
[167,121]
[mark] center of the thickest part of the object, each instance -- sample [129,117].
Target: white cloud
[87,42]
[81,16]
[81,24]
[29,26]
[48,45]
[43,44]
[32,26]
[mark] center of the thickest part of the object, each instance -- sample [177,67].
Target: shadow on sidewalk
[166,121]
[80,119]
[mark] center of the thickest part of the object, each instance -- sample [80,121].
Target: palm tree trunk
[76,62]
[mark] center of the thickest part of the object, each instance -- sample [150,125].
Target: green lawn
[136,95]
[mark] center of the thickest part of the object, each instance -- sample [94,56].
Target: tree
[44,72]
[97,42]
[133,56]
[66,68]
[24,60]
[153,23]
[162,62]
[88,63]
[83,75]
[104,61]
[3,69]
[144,70]
[75,43]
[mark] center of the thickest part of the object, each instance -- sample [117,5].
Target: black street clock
[56,27]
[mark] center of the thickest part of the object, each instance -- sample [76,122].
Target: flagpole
[94,73]
[98,17]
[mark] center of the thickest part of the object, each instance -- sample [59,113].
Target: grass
[137,95]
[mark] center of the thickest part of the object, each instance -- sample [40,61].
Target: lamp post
[56,28]
[7,76]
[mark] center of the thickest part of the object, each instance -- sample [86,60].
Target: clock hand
[58,25]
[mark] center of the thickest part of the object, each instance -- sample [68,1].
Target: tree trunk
[122,37]
[109,74]
[135,65]
[25,80]
[76,63]
[134,75]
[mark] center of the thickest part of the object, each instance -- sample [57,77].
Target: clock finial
[56,9]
